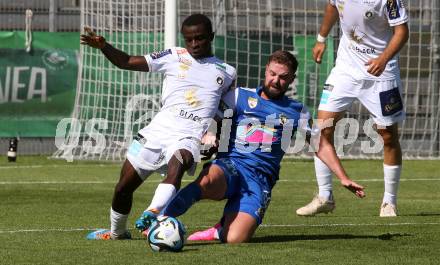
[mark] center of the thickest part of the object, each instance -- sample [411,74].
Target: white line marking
[184,180]
[206,226]
[61,166]
[46,230]
[333,225]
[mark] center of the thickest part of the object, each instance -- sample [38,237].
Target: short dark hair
[284,57]
[197,19]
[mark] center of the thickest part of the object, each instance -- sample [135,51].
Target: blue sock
[183,200]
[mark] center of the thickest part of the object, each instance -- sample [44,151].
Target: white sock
[217,232]
[391,175]
[163,194]
[324,179]
[118,223]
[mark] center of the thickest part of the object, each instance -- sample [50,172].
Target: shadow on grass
[202,243]
[287,238]
[421,214]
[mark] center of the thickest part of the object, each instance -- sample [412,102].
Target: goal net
[112,105]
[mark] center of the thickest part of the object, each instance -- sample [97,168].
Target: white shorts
[383,99]
[152,155]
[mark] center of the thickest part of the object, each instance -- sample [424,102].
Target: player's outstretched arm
[328,155]
[330,17]
[117,57]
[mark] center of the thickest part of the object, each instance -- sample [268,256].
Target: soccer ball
[166,234]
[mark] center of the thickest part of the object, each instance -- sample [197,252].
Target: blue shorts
[249,190]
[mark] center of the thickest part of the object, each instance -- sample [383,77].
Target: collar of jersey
[204,60]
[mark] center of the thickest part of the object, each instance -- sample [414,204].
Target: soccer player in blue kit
[246,173]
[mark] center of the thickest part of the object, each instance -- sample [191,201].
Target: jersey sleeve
[231,74]
[228,102]
[396,12]
[159,61]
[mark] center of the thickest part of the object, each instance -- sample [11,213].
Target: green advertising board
[37,89]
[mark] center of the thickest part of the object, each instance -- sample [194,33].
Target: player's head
[280,73]
[197,33]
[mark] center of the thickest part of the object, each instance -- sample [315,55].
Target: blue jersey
[262,129]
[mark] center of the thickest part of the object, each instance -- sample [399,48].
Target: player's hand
[210,144]
[318,51]
[90,38]
[376,66]
[352,186]
[209,138]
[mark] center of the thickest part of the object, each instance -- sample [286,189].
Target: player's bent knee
[327,132]
[185,157]
[389,139]
[236,237]
[123,190]
[210,188]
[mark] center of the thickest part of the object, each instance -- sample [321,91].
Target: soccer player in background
[194,82]
[366,69]
[247,171]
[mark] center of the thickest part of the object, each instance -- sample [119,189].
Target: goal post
[112,105]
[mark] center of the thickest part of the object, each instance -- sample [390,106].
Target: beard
[273,93]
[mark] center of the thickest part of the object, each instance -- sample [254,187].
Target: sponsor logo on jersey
[185,61]
[182,51]
[252,102]
[393,9]
[181,75]
[190,116]
[362,50]
[184,67]
[369,2]
[191,98]
[220,80]
[157,55]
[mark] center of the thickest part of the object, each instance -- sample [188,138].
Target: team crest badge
[252,102]
[283,118]
[220,80]
[368,15]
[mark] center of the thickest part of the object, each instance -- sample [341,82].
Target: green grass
[48,206]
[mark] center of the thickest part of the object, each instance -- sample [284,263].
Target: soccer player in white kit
[367,69]
[194,82]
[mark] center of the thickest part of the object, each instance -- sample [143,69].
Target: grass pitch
[48,206]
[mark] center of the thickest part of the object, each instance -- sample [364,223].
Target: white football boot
[318,205]
[388,210]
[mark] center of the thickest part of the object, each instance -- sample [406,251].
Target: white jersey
[191,90]
[366,31]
